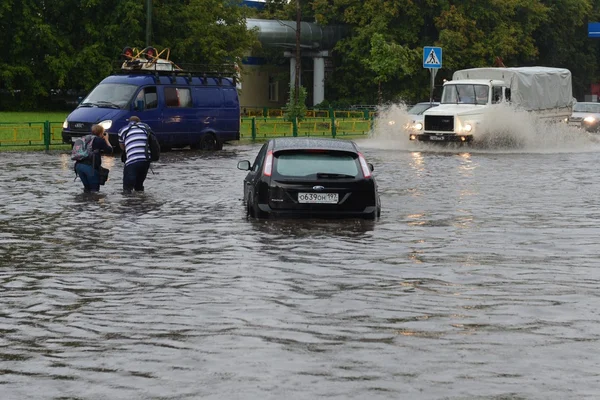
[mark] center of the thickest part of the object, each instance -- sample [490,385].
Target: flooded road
[480,281]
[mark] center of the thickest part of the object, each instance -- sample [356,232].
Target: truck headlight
[418,126]
[468,128]
[589,120]
[106,124]
[65,124]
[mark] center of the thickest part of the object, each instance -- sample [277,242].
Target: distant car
[310,177]
[416,114]
[586,115]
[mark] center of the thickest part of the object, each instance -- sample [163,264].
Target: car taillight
[268,164]
[365,167]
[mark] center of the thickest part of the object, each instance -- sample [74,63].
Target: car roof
[308,143]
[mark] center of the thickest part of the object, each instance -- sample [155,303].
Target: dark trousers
[89,177]
[134,176]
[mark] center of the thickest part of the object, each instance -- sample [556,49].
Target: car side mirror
[244,165]
[371,167]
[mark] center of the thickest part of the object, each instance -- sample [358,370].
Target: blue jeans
[134,176]
[89,177]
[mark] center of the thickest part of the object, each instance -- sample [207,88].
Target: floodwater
[481,280]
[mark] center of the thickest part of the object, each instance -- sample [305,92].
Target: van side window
[148,96]
[178,97]
[496,94]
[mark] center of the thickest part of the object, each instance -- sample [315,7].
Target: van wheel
[210,142]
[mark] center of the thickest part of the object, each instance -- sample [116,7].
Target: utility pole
[297,77]
[148,21]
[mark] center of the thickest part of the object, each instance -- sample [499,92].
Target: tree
[46,46]
[295,110]
[389,60]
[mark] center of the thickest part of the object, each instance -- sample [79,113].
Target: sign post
[432,59]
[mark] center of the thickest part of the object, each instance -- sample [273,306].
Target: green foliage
[295,110]
[324,105]
[47,46]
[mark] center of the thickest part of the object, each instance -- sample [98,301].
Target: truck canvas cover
[532,88]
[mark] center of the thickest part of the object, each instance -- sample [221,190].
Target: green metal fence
[330,123]
[257,128]
[25,134]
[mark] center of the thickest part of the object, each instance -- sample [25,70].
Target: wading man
[133,140]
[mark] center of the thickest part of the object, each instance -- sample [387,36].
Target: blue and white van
[183,109]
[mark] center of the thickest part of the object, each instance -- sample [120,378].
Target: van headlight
[106,124]
[65,124]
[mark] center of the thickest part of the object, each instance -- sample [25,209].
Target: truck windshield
[465,94]
[110,95]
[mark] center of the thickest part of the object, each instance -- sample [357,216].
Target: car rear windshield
[587,107]
[310,163]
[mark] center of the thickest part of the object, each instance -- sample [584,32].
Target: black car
[310,177]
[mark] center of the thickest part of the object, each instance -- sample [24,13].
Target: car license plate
[319,198]
[436,138]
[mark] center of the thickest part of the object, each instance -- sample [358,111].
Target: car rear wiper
[327,175]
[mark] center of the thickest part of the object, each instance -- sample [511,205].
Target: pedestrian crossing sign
[432,57]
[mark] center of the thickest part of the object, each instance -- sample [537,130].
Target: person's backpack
[152,146]
[82,148]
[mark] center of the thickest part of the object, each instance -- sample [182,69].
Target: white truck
[471,94]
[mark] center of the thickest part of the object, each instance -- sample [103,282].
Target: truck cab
[461,110]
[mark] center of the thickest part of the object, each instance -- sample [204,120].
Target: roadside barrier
[254,128]
[30,134]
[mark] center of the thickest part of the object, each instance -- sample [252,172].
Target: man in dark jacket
[88,169]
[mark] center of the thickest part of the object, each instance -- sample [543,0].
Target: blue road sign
[432,57]
[594,29]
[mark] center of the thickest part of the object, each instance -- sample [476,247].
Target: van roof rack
[148,61]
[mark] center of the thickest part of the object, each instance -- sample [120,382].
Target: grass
[7,117]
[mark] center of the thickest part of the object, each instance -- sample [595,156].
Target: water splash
[506,130]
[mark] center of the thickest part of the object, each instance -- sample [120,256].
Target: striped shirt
[135,139]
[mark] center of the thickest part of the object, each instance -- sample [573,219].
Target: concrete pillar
[293,72]
[318,79]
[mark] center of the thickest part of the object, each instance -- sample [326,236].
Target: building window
[273,89]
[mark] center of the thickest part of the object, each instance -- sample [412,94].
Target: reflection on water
[478,281]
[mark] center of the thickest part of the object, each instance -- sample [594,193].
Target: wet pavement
[479,281]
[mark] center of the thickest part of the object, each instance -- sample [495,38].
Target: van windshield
[111,95]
